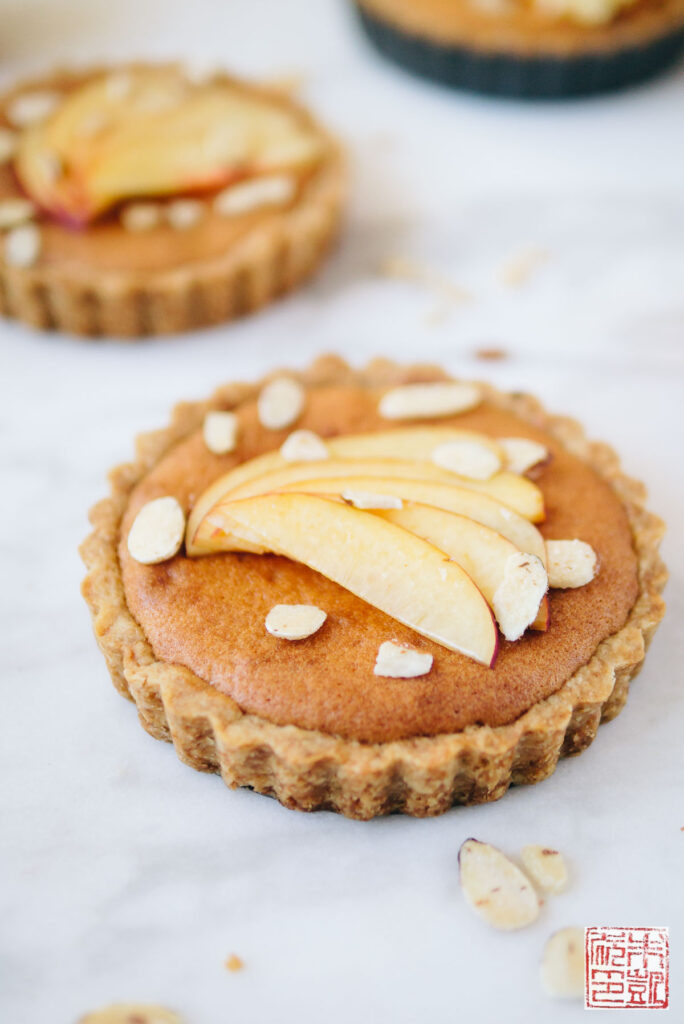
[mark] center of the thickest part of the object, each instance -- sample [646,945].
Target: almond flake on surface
[517,599]
[275,190]
[234,963]
[294,621]
[220,431]
[8,144]
[32,107]
[15,211]
[183,214]
[428,401]
[467,458]
[22,246]
[157,531]
[304,446]
[140,216]
[397,662]
[369,501]
[545,867]
[562,965]
[495,888]
[522,454]
[570,563]
[131,1013]
[280,403]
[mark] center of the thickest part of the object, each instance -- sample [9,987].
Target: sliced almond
[280,403]
[428,401]
[157,531]
[220,431]
[131,1013]
[183,214]
[140,216]
[274,190]
[22,246]
[562,965]
[118,86]
[294,621]
[8,144]
[517,599]
[545,867]
[467,458]
[397,662]
[32,107]
[522,454]
[570,563]
[495,888]
[15,211]
[369,501]
[304,446]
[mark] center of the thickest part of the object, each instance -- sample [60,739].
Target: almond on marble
[546,867]
[562,965]
[495,887]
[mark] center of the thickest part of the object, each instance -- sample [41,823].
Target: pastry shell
[309,770]
[268,261]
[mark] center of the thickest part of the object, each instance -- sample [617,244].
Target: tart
[146,200]
[528,48]
[333,587]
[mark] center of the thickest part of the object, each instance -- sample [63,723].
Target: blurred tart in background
[146,200]
[529,48]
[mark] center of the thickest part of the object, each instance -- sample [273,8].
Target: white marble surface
[128,876]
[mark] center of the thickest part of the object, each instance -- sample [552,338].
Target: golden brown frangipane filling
[208,613]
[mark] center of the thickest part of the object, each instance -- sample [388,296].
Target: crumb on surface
[491,355]
[519,269]
[442,288]
[234,963]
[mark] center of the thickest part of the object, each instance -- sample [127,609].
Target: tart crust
[308,769]
[276,250]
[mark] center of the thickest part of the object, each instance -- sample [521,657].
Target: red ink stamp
[626,968]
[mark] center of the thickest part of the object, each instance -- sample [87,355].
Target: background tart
[191,266]
[311,723]
[527,48]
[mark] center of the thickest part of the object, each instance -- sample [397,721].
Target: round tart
[144,200]
[528,48]
[395,593]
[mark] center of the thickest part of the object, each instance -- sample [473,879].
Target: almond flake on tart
[447,663]
[162,203]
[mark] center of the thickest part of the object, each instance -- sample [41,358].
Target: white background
[126,875]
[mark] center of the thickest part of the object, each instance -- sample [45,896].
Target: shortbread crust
[310,768]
